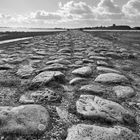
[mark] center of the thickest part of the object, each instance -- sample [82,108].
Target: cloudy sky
[68,13]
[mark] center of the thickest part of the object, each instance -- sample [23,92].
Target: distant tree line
[113,27]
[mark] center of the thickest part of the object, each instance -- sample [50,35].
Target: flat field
[130,38]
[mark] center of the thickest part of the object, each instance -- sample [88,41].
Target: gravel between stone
[69,86]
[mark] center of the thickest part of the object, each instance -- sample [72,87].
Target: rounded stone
[123,92]
[98,57]
[24,120]
[25,71]
[44,95]
[111,78]
[54,67]
[102,63]
[94,107]
[46,77]
[95,89]
[106,70]
[93,132]
[83,71]
[76,80]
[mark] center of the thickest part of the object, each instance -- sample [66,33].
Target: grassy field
[128,38]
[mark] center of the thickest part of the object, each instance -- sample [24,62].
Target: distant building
[114,25]
[119,27]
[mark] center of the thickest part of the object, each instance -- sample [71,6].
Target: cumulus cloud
[79,13]
[76,10]
[43,15]
[66,12]
[4,16]
[109,6]
[107,9]
[132,8]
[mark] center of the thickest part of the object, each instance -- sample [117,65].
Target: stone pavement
[69,86]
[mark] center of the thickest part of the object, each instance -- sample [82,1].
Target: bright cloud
[108,6]
[76,11]
[3,16]
[107,9]
[43,15]
[132,8]
[79,13]
[73,8]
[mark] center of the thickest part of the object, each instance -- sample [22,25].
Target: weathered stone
[84,71]
[46,77]
[122,50]
[16,60]
[79,62]
[95,89]
[88,61]
[41,52]
[42,95]
[79,49]
[111,78]
[65,50]
[60,61]
[94,107]
[54,67]
[126,55]
[6,67]
[46,95]
[23,120]
[78,56]
[98,57]
[114,55]
[133,55]
[106,70]
[25,71]
[98,50]
[74,66]
[24,99]
[102,63]
[77,80]
[92,53]
[43,77]
[123,92]
[36,57]
[93,132]
[127,67]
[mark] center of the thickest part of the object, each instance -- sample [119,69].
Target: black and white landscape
[69,70]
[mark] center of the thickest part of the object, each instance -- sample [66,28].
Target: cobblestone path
[69,86]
